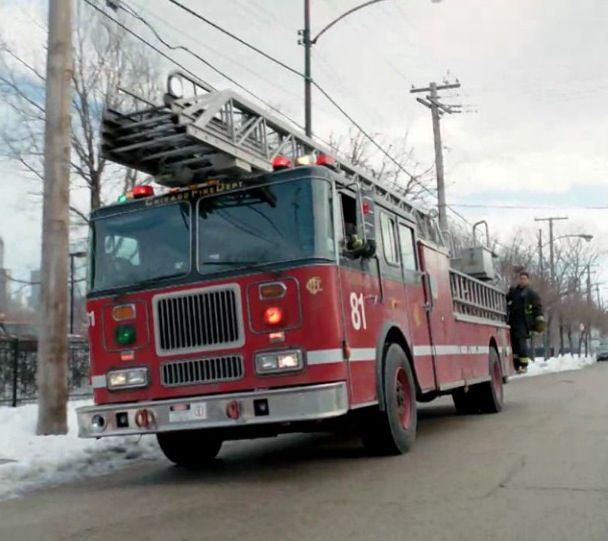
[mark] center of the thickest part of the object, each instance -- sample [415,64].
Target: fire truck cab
[256,296]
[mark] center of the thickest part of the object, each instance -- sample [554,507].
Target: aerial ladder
[199,133]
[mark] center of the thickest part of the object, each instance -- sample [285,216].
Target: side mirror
[367,223]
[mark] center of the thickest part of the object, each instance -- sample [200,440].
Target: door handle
[427,288]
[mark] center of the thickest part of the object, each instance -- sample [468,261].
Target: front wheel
[393,431]
[189,448]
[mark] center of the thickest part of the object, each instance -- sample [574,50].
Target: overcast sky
[534,88]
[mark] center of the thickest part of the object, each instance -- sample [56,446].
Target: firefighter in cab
[354,242]
[525,316]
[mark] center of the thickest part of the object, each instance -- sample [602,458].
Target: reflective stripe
[362,354]
[325,356]
[98,382]
[426,351]
[422,351]
[330,356]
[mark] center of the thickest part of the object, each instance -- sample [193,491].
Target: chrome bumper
[258,407]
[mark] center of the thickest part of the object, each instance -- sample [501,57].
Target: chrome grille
[202,370]
[198,320]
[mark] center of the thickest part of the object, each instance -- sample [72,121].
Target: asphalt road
[536,471]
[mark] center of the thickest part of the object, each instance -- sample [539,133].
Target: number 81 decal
[358,312]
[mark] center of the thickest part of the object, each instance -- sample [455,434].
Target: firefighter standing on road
[525,315]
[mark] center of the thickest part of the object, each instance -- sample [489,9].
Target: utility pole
[53,340]
[437,109]
[306,41]
[589,301]
[540,250]
[551,221]
[552,277]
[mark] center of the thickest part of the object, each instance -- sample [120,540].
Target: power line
[143,40]
[292,70]
[237,38]
[296,72]
[214,51]
[370,138]
[528,207]
[189,51]
[330,99]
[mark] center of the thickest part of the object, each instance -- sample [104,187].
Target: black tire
[491,392]
[189,448]
[484,397]
[393,431]
[466,402]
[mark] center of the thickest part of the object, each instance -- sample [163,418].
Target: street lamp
[583,236]
[308,43]
[73,256]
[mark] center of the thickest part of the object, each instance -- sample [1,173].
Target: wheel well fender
[391,334]
[493,345]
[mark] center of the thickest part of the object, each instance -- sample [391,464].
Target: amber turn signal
[272,290]
[123,312]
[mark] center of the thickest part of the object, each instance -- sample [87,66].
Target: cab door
[361,298]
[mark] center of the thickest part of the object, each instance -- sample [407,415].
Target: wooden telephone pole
[437,110]
[53,339]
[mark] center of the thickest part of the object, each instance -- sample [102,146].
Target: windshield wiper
[251,265]
[149,282]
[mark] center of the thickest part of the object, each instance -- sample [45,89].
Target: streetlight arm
[347,13]
[585,237]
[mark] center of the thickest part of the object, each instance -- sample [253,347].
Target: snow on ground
[561,363]
[28,461]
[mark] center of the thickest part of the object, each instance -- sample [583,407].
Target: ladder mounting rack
[214,134]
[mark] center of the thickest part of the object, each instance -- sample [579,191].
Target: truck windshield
[274,223]
[141,246]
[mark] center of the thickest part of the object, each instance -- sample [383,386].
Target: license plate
[180,413]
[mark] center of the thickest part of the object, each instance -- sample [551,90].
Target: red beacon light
[273,315]
[326,160]
[281,162]
[142,191]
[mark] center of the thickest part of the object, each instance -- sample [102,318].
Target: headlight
[126,379]
[278,361]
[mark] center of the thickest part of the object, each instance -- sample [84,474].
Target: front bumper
[288,405]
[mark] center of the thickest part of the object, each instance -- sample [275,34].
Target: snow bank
[561,363]
[28,461]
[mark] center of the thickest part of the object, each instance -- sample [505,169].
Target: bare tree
[106,59]
[404,175]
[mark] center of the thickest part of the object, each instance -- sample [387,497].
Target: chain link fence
[18,362]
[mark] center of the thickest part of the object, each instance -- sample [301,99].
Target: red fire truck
[270,288]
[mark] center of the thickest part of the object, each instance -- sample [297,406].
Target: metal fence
[18,362]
